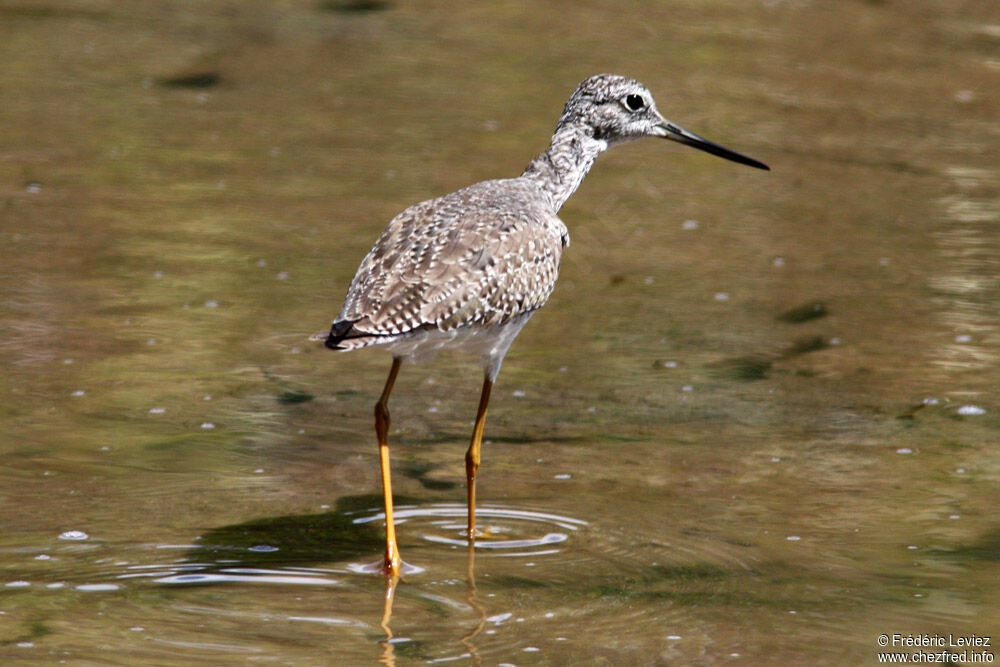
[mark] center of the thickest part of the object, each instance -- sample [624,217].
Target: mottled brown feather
[467,270]
[482,255]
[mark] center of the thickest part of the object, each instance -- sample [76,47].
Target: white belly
[489,343]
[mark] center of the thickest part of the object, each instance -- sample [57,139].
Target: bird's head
[616,109]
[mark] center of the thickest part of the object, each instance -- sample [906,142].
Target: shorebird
[467,270]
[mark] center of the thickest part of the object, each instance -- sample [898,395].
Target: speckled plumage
[478,257]
[484,257]
[466,270]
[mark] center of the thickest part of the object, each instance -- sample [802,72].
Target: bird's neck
[560,170]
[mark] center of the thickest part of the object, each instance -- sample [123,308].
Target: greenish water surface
[756,424]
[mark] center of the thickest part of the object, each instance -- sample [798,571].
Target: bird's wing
[469,257]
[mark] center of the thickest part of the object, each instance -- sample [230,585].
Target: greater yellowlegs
[467,270]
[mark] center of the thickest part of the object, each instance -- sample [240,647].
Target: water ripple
[504,531]
[242,575]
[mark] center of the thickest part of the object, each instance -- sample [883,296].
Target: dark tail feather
[342,330]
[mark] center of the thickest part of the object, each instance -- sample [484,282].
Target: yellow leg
[472,457]
[392,560]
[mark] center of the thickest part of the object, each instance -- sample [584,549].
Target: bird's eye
[634,102]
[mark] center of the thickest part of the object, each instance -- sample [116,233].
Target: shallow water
[757,423]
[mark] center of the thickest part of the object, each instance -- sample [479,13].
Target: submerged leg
[392,561]
[472,456]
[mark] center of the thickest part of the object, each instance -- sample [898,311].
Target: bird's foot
[392,566]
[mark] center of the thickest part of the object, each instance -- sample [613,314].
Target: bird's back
[480,256]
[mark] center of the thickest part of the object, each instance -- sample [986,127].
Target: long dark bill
[679,134]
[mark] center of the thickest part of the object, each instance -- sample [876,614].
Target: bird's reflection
[388,655]
[470,598]
[287,548]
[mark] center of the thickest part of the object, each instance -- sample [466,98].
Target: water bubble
[793,538]
[157,411]
[211,303]
[904,450]
[97,587]
[79,392]
[562,476]
[963,338]
[722,296]
[207,425]
[689,224]
[971,410]
[73,535]
[518,393]
[17,584]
